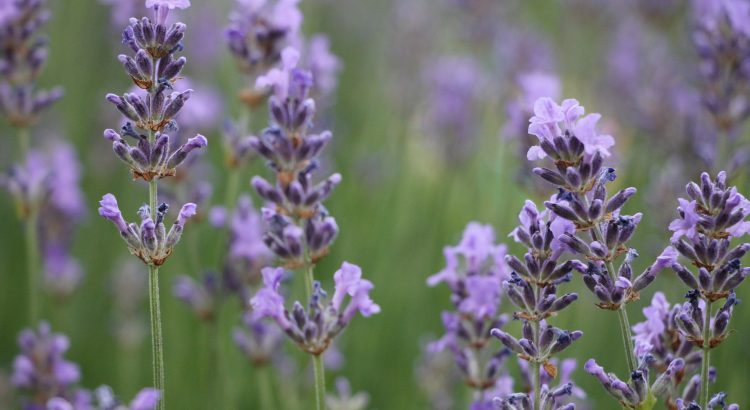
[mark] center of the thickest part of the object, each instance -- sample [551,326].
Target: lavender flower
[474,271]
[24,54]
[259,31]
[153,68]
[200,296]
[146,399]
[344,399]
[258,339]
[722,40]
[41,370]
[323,65]
[532,287]
[149,241]
[315,328]
[247,253]
[47,184]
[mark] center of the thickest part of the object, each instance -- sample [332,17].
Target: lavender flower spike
[329,319]
[23,57]
[40,370]
[149,241]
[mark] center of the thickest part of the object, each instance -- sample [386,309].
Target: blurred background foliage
[401,201]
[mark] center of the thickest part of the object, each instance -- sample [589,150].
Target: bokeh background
[411,183]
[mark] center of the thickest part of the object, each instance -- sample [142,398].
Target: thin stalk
[32,262]
[320,382]
[320,378]
[622,313]
[157,341]
[706,362]
[537,373]
[214,362]
[625,332]
[264,385]
[31,239]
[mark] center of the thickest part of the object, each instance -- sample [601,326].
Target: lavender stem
[266,393]
[157,342]
[706,362]
[537,367]
[319,370]
[622,313]
[31,239]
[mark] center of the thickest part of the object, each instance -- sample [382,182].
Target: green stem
[320,382]
[31,239]
[32,263]
[264,385]
[214,363]
[157,346]
[320,377]
[157,341]
[622,313]
[706,362]
[625,332]
[537,374]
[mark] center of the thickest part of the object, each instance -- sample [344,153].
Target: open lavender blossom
[23,57]
[314,328]
[149,241]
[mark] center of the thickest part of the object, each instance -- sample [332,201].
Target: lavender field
[374,204]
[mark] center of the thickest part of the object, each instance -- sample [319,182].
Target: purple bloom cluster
[722,40]
[146,399]
[41,369]
[259,340]
[532,287]
[201,296]
[474,271]
[149,241]
[47,184]
[23,53]
[315,328]
[299,228]
[259,30]
[153,68]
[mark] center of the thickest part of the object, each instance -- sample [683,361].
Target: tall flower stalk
[600,230]
[23,54]
[298,228]
[532,287]
[150,117]
[475,270]
[713,215]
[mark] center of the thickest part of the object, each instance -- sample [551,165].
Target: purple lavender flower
[722,40]
[41,370]
[258,339]
[344,399]
[47,184]
[145,399]
[149,241]
[323,65]
[259,30]
[24,54]
[154,112]
[474,271]
[200,296]
[327,319]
